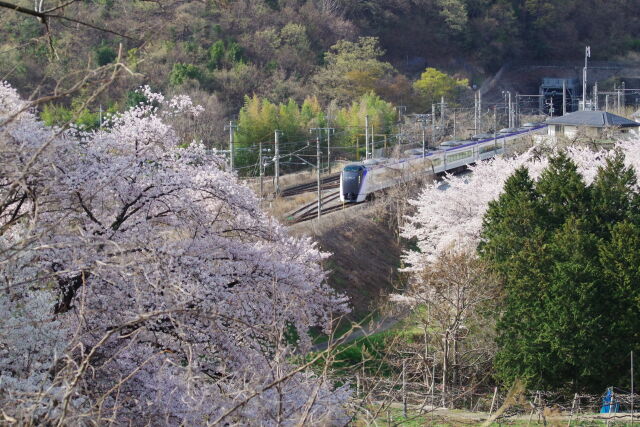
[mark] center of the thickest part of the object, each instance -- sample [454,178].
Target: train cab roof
[353,167]
[453,143]
[418,151]
[371,162]
[481,136]
[413,152]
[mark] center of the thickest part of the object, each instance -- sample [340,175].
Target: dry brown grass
[332,220]
[280,207]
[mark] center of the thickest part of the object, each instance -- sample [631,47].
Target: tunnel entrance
[551,95]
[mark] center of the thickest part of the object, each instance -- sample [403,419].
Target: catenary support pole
[319,167]
[454,124]
[510,110]
[277,162]
[260,162]
[632,391]
[564,97]
[619,104]
[372,138]
[442,113]
[366,135]
[495,130]
[433,124]
[424,139]
[475,112]
[329,132]
[479,112]
[231,129]
[587,54]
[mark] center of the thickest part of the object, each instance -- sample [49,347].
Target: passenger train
[360,180]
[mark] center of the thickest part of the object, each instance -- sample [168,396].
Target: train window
[458,156]
[352,168]
[487,149]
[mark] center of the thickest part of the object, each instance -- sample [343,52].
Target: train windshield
[352,174]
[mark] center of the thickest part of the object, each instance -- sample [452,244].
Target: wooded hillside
[221,51]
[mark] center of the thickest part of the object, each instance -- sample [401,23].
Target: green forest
[224,54]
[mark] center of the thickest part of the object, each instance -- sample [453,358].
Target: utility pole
[550,104]
[595,96]
[260,166]
[366,135]
[318,167]
[329,132]
[475,112]
[454,124]
[495,129]
[623,96]
[587,54]
[372,138]
[479,111]
[433,124]
[401,110]
[442,113]
[564,97]
[510,110]
[619,101]
[277,161]
[422,119]
[231,127]
[606,103]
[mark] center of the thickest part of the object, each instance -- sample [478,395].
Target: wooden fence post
[404,389]
[573,404]
[493,401]
[533,408]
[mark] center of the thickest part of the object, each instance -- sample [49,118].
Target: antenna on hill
[587,55]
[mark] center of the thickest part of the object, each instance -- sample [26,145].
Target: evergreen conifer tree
[569,256]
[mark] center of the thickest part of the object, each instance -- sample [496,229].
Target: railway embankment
[365,254]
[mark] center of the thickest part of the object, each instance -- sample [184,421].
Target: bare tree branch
[45,16]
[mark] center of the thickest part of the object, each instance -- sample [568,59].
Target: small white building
[590,124]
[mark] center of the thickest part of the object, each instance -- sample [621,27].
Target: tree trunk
[455,369]
[445,368]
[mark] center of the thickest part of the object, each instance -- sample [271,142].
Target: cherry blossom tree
[447,279]
[449,213]
[141,283]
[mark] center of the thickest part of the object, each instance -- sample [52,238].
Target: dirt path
[372,327]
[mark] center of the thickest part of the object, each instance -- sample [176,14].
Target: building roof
[597,119]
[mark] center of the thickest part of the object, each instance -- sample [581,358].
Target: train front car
[351,183]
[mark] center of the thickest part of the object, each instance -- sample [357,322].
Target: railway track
[310,210]
[329,182]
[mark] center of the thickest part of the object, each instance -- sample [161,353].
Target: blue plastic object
[609,403]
